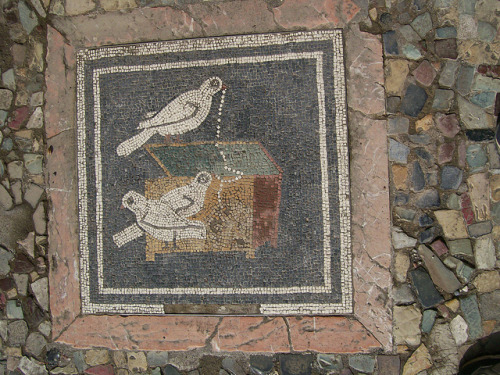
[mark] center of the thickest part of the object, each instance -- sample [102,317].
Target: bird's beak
[224,87]
[122,207]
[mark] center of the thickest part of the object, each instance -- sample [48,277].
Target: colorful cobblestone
[441,86]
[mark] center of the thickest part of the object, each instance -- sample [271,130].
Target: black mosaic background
[275,103]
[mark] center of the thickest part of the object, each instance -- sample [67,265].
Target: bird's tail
[130,145]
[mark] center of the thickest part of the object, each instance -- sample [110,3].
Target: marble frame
[368,329]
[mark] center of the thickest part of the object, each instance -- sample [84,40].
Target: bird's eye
[214,83]
[130,200]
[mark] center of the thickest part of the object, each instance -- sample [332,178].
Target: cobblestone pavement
[442,84]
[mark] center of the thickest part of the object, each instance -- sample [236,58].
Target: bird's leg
[168,139]
[178,138]
[175,240]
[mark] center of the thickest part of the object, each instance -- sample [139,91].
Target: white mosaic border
[341,129]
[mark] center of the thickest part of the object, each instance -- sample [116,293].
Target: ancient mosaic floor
[214,172]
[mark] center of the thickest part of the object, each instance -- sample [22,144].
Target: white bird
[186,112]
[166,219]
[188,200]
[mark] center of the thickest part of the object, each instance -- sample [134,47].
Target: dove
[166,218]
[188,200]
[185,113]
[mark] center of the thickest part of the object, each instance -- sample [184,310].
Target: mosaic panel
[213,176]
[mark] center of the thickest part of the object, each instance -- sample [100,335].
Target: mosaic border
[345,307]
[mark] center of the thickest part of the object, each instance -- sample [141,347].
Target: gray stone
[41,292]
[17,192]
[156,359]
[28,18]
[392,104]
[403,295]
[417,177]
[422,139]
[449,73]
[408,34]
[476,157]
[451,177]
[40,220]
[9,79]
[444,350]
[36,99]
[261,364]
[362,362]
[422,24]
[413,100]
[2,166]
[398,152]
[482,83]
[39,7]
[401,240]
[428,319]
[15,169]
[472,116]
[458,327]
[411,52]
[428,199]
[5,199]
[440,275]
[486,31]
[17,332]
[398,125]
[466,6]
[495,213]
[155,371]
[480,229]
[221,372]
[45,328]
[79,360]
[295,364]
[464,272]
[35,344]
[14,310]
[232,366]
[33,163]
[5,257]
[460,247]
[14,225]
[472,316]
[494,156]
[426,291]
[484,253]
[3,117]
[406,325]
[484,99]
[446,32]
[464,79]
[443,100]
[428,235]
[30,367]
[489,305]
[425,220]
[330,362]
[3,330]
[36,119]
[7,144]
[453,202]
[21,283]
[388,364]
[467,27]
[6,97]
[390,43]
[405,213]
[33,194]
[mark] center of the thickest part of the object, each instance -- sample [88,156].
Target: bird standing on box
[167,218]
[184,113]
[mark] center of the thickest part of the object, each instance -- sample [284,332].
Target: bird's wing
[161,216]
[182,108]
